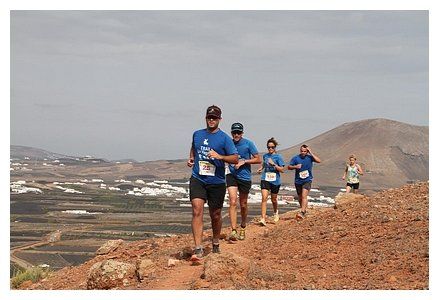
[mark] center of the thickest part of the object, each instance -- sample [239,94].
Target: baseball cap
[237,127]
[213,111]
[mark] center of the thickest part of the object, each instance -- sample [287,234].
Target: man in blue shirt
[211,149]
[238,178]
[303,163]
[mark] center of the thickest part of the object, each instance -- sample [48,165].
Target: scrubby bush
[34,274]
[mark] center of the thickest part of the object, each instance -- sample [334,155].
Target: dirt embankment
[381,242]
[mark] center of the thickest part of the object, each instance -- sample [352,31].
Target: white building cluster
[16,166]
[17,187]
[80,212]
[154,189]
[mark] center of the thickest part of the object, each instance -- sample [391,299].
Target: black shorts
[355,186]
[212,193]
[266,185]
[300,187]
[243,185]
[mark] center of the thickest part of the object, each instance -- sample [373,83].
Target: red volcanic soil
[378,242]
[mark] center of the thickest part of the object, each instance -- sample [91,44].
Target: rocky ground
[378,242]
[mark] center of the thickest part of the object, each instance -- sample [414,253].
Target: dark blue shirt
[210,170]
[304,174]
[246,149]
[269,172]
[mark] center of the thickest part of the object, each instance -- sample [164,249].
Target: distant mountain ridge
[392,154]
[20,152]
[36,154]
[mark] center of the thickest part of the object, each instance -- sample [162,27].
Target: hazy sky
[136,84]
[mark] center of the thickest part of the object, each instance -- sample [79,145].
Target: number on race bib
[206,168]
[270,176]
[304,174]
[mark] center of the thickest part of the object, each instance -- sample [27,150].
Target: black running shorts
[300,187]
[244,186]
[212,193]
[266,185]
[355,186]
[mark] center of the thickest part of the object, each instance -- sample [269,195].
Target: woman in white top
[352,174]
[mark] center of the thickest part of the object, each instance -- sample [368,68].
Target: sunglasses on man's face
[236,132]
[271,147]
[212,118]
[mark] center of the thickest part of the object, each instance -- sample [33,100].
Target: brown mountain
[391,153]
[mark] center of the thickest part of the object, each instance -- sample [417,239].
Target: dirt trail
[21,262]
[24,263]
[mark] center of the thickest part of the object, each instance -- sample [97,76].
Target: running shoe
[300,215]
[276,217]
[262,222]
[234,235]
[198,254]
[241,235]
[216,248]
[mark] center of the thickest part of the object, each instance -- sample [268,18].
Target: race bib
[206,168]
[227,170]
[304,174]
[270,176]
[353,180]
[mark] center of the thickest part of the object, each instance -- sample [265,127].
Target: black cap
[237,127]
[213,111]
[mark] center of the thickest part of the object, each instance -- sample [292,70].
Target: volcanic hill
[391,153]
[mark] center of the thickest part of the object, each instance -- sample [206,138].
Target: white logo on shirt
[205,142]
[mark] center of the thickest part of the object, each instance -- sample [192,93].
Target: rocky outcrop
[231,271]
[225,271]
[226,266]
[108,247]
[343,200]
[109,274]
[145,267]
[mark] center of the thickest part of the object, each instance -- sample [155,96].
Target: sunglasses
[212,118]
[237,132]
[271,147]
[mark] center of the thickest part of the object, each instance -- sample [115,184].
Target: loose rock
[108,247]
[109,274]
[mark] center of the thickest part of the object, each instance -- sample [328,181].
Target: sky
[136,84]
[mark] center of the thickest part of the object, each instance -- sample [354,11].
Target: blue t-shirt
[269,173]
[246,149]
[304,174]
[210,170]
